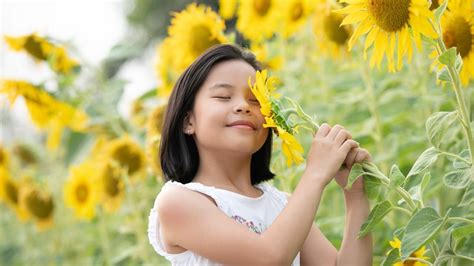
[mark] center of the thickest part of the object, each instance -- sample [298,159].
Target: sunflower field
[398,74]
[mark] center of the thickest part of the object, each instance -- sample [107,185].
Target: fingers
[334,131]
[362,155]
[323,130]
[342,136]
[348,145]
[351,156]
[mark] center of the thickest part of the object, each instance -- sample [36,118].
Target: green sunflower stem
[458,90]
[104,238]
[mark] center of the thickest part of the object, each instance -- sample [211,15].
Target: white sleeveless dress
[255,213]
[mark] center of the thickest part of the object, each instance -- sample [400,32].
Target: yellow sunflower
[112,189]
[396,243]
[45,111]
[39,205]
[291,148]
[295,14]
[264,90]
[192,31]
[227,8]
[81,190]
[332,38]
[128,155]
[10,194]
[4,158]
[42,49]
[25,153]
[457,24]
[390,25]
[258,19]
[153,137]
[166,69]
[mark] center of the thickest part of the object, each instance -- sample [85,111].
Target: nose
[242,107]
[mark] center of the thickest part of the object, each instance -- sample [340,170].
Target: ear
[188,125]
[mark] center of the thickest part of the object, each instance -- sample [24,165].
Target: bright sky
[93,26]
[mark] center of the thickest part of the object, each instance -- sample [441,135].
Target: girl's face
[223,104]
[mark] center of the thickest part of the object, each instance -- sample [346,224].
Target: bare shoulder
[176,202]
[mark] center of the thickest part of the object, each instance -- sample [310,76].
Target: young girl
[215,207]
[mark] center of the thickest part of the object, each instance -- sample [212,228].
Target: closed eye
[221,97]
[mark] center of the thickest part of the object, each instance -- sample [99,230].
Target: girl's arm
[190,220]
[355,251]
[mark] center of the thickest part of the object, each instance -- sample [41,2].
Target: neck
[229,171]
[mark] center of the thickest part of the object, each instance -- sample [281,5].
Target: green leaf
[392,257]
[427,158]
[375,216]
[468,196]
[371,186]
[462,231]
[437,124]
[458,179]
[396,176]
[356,171]
[449,57]
[148,94]
[422,227]
[460,164]
[443,75]
[440,11]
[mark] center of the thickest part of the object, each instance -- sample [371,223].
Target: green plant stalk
[460,219]
[456,84]
[104,237]
[373,107]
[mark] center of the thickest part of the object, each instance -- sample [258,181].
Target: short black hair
[179,157]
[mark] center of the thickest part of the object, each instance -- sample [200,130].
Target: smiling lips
[243,124]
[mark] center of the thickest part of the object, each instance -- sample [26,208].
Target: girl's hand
[329,150]
[356,155]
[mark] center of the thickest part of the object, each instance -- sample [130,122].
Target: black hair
[179,157]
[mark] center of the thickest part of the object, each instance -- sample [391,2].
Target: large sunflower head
[39,204]
[390,25]
[81,191]
[457,24]
[258,19]
[192,31]
[332,38]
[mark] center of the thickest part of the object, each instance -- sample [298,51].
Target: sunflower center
[40,206]
[111,183]
[202,39]
[333,31]
[2,157]
[434,4]
[390,15]
[458,34]
[34,48]
[82,192]
[262,6]
[11,191]
[296,11]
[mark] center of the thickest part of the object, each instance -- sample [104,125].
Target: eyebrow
[221,85]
